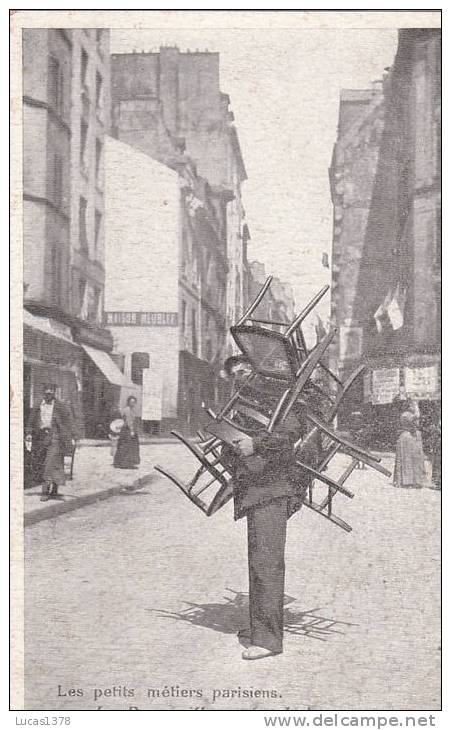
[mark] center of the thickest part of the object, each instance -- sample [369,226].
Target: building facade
[169,106]
[142,218]
[352,178]
[166,270]
[278,303]
[66,117]
[387,288]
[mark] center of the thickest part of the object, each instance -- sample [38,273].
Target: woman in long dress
[127,452]
[409,463]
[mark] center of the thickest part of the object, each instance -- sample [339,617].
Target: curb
[58,508]
[99,443]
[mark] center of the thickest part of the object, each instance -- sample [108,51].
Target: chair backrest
[275,349]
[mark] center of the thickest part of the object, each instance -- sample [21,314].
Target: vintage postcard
[225,363]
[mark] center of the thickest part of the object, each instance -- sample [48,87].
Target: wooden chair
[210,487]
[275,349]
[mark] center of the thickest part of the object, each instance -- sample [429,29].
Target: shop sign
[141,319]
[422,383]
[385,385]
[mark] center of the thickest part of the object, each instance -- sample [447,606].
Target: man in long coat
[51,433]
[268,488]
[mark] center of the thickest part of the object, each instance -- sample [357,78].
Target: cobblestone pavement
[142,592]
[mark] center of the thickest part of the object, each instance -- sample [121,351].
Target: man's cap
[50,386]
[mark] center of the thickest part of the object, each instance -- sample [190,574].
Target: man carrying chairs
[267,490]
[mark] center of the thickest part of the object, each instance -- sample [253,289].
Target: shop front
[50,355]
[387,388]
[103,383]
[103,386]
[75,356]
[147,342]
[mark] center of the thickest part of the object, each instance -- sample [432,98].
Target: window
[98,228]
[56,274]
[438,238]
[94,304]
[55,85]
[207,264]
[194,331]
[83,142]
[238,294]
[99,148]
[208,350]
[99,90]
[81,297]
[183,316]
[350,343]
[83,230]
[140,362]
[84,68]
[185,250]
[437,141]
[56,180]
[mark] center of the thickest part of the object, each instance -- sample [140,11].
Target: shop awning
[48,326]
[108,367]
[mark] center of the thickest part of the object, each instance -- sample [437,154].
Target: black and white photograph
[226,364]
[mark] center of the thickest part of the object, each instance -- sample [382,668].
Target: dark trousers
[40,446]
[266,534]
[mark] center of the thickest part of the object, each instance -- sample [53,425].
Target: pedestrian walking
[127,451]
[50,436]
[409,462]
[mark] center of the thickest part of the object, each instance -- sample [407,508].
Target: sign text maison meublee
[141,319]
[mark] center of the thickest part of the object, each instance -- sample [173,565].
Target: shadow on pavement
[232,614]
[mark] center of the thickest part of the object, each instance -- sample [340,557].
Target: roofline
[236,145]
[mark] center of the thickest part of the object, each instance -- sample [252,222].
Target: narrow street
[135,602]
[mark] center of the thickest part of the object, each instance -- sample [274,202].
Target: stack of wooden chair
[287,377]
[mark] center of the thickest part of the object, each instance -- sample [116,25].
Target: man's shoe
[258,652]
[45,497]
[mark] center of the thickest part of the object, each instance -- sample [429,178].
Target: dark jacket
[271,472]
[62,424]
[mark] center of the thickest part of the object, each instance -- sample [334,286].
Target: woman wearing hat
[409,463]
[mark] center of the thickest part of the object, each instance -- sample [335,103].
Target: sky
[284,87]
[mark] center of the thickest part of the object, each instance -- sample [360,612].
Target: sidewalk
[144,440]
[95,479]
